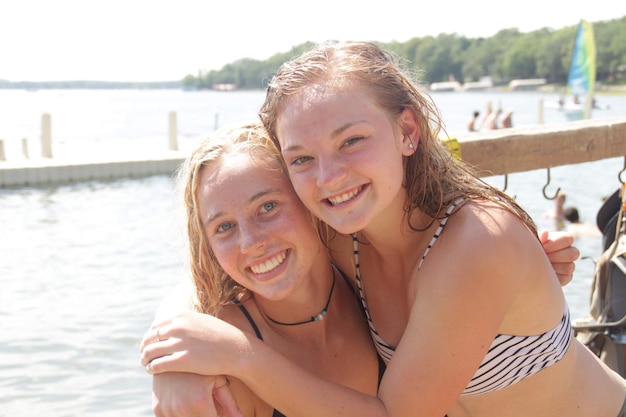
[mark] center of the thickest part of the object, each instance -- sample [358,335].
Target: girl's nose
[330,172]
[252,238]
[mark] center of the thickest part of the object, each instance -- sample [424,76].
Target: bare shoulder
[234,314]
[496,251]
[493,249]
[485,225]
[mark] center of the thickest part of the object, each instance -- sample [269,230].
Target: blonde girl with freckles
[257,262]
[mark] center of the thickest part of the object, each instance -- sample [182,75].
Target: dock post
[540,111]
[173,131]
[46,136]
[2,156]
[25,148]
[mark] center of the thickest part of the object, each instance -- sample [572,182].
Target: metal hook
[546,186]
[506,182]
[619,176]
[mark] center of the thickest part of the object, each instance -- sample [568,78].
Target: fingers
[554,242]
[177,394]
[565,279]
[565,256]
[159,360]
[154,347]
[225,398]
[561,252]
[564,272]
[154,335]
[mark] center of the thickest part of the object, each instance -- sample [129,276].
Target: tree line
[508,55]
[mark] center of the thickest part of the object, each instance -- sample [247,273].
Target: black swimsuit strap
[247,314]
[347,280]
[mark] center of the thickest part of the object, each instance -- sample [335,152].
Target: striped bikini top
[509,359]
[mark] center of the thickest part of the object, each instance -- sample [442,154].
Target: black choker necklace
[317,317]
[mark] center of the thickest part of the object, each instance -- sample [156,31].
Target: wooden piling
[46,136]
[25,148]
[173,131]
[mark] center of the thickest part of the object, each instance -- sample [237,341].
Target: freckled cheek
[304,188]
[227,256]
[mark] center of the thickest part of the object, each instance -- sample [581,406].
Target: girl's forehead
[233,182]
[229,166]
[327,91]
[326,110]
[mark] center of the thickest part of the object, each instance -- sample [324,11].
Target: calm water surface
[84,266]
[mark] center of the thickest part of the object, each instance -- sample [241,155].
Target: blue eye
[269,206]
[224,227]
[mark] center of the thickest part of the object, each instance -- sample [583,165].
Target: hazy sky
[158,40]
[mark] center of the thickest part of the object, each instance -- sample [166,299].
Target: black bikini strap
[347,280]
[247,314]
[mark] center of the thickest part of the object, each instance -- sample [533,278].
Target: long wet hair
[433,178]
[214,288]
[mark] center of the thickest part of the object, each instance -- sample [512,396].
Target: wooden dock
[54,171]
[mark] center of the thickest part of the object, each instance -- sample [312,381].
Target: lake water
[84,266]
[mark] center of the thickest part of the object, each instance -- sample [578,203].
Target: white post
[588,106]
[46,136]
[540,111]
[2,156]
[25,148]
[173,132]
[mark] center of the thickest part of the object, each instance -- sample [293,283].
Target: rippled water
[82,270]
[84,266]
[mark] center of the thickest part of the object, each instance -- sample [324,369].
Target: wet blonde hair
[432,177]
[213,287]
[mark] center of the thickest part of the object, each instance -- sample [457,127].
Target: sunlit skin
[264,238]
[347,168]
[486,275]
[259,231]
[344,156]
[472,285]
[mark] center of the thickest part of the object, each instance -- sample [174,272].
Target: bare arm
[178,394]
[429,369]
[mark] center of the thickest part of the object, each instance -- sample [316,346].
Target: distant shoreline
[154,85]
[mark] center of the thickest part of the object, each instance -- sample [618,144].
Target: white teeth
[343,197]
[269,264]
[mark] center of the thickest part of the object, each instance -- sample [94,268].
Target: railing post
[46,136]
[173,131]
[25,148]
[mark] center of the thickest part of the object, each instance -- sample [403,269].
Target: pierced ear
[410,131]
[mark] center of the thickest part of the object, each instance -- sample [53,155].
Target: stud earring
[411,145]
